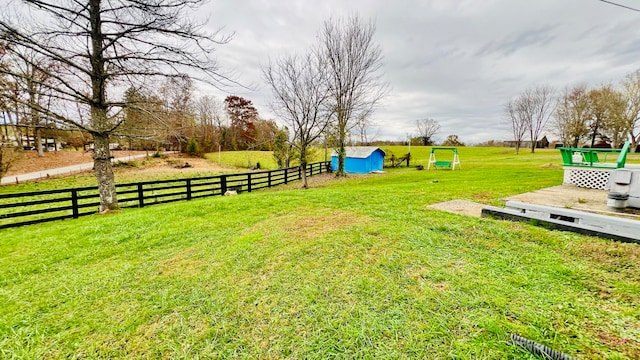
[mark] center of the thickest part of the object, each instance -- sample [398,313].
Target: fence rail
[29,208]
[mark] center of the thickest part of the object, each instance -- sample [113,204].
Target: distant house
[360,159]
[526,144]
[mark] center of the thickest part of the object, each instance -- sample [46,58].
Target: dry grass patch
[305,227]
[183,264]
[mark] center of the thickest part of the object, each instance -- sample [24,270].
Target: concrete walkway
[13,179]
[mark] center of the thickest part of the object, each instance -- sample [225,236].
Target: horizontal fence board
[33,202]
[35,212]
[45,192]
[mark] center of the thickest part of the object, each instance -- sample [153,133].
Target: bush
[192,147]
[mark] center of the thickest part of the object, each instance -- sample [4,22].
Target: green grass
[249,159]
[351,268]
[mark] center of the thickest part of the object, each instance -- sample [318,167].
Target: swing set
[443,163]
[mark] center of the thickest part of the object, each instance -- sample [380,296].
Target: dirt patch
[29,161]
[461,207]
[170,165]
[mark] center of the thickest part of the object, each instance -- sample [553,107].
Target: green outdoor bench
[590,157]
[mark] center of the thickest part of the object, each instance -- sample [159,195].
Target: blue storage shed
[360,159]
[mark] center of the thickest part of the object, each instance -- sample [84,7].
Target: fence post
[74,203]
[286,173]
[140,196]
[300,172]
[269,179]
[223,184]
[188,189]
[249,182]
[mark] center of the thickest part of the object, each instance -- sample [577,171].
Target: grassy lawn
[351,268]
[249,159]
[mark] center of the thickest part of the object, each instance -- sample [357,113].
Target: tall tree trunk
[99,120]
[104,173]
[342,152]
[37,134]
[303,167]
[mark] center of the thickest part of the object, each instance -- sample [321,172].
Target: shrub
[192,147]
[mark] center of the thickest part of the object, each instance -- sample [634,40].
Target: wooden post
[249,182]
[269,179]
[286,173]
[140,196]
[188,189]
[223,184]
[74,203]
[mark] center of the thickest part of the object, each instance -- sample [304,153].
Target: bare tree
[299,89]
[530,112]
[631,93]
[98,46]
[353,62]
[515,114]
[210,114]
[363,130]
[540,104]
[427,129]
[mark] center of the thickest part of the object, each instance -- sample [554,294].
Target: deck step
[608,227]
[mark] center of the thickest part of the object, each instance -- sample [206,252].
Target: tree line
[605,115]
[123,71]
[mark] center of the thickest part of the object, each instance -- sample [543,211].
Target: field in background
[250,159]
[351,268]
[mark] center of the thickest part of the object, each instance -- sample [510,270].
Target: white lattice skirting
[587,177]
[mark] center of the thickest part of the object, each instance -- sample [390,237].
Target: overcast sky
[457,62]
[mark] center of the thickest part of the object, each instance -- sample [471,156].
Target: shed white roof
[360,152]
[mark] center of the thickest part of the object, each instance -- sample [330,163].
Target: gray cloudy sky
[457,62]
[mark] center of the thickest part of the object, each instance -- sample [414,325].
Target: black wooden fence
[27,208]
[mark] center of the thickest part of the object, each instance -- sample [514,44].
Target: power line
[620,5]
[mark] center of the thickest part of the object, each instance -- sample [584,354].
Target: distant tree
[530,112]
[77,139]
[427,129]
[516,115]
[353,61]
[571,116]
[606,116]
[363,130]
[210,119]
[178,115]
[97,46]
[298,85]
[242,115]
[452,140]
[143,127]
[27,89]
[282,148]
[631,95]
